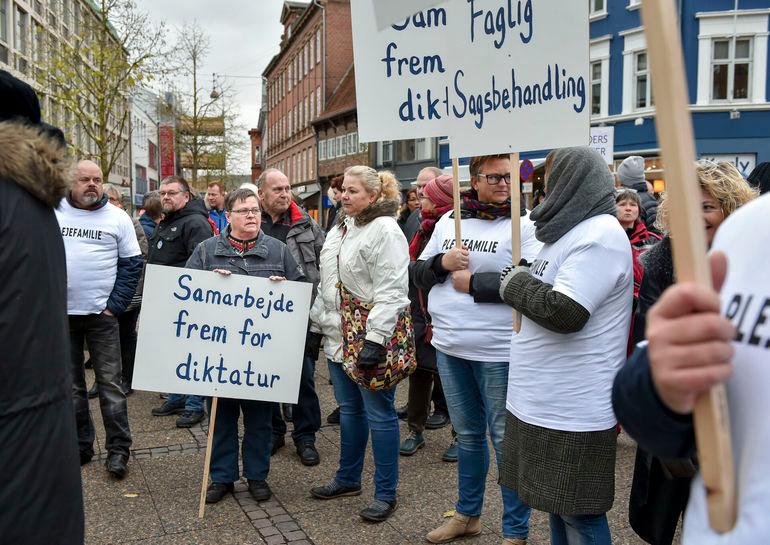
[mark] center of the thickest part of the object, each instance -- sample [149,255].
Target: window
[352,143]
[342,146]
[21,38]
[642,89]
[300,63]
[311,52]
[319,106]
[385,152]
[596,88]
[330,148]
[306,57]
[731,69]
[322,150]
[4,31]
[152,153]
[288,75]
[318,46]
[420,149]
[597,8]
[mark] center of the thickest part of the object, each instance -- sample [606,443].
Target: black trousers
[307,411]
[101,334]
[127,325]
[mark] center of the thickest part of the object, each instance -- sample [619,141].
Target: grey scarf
[579,187]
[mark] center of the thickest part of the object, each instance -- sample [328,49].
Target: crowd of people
[605,336]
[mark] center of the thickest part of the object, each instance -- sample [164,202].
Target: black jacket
[178,234]
[658,263]
[40,494]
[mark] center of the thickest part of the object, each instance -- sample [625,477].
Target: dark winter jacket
[148,224]
[418,299]
[331,219]
[270,257]
[658,264]
[178,234]
[305,240]
[412,225]
[40,494]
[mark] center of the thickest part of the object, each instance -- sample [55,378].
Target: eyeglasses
[85,179]
[494,179]
[246,211]
[171,193]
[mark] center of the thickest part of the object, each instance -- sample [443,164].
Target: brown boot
[509,541]
[458,526]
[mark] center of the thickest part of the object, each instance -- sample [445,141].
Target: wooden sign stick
[456,198]
[674,126]
[212,421]
[515,224]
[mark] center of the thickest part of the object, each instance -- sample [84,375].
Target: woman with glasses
[241,248]
[472,334]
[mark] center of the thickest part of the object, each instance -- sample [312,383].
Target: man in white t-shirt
[696,341]
[103,268]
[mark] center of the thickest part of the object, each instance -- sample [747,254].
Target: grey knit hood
[580,186]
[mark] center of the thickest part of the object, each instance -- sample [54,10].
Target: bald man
[104,263]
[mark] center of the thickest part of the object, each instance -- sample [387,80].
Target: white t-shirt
[461,327]
[564,381]
[93,242]
[745,239]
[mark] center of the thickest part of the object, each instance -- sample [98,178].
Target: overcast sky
[244,37]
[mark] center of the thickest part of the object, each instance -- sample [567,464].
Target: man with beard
[185,225]
[104,263]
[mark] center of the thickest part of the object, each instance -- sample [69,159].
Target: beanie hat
[439,191]
[631,173]
[19,100]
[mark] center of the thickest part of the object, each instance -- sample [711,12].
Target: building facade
[145,150]
[316,53]
[27,30]
[726,63]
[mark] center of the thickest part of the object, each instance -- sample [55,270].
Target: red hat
[439,191]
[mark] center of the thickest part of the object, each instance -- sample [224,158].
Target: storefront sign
[603,141]
[744,162]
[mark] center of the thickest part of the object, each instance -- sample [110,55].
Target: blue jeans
[475,394]
[257,433]
[307,411]
[191,402]
[580,530]
[362,411]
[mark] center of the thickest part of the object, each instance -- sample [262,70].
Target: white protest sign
[388,12]
[239,336]
[603,141]
[501,74]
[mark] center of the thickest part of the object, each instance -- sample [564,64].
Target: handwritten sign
[239,337]
[492,75]
[388,12]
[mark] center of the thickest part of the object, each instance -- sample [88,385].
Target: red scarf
[422,236]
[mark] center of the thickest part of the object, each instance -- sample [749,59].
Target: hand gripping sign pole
[456,199]
[207,462]
[515,225]
[712,430]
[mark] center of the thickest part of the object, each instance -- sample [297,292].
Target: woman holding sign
[243,249]
[363,309]
[575,298]
[472,332]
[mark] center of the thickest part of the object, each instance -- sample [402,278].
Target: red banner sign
[167,152]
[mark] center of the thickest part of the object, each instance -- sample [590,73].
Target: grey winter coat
[269,257]
[305,240]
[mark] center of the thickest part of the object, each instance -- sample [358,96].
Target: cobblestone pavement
[157,503]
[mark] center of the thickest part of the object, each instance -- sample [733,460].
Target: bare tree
[93,73]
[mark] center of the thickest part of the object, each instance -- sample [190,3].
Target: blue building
[726,59]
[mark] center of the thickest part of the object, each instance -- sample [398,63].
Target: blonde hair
[722,182]
[383,183]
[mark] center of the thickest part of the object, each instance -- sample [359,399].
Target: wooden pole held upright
[674,126]
[515,224]
[456,198]
[204,485]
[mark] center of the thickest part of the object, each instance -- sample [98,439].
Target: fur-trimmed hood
[385,207]
[34,161]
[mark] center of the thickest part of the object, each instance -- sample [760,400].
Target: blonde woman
[366,255]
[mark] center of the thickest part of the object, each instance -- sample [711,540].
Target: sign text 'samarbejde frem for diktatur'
[201,333]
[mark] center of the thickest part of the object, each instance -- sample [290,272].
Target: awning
[305,191]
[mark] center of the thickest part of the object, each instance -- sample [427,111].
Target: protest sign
[491,75]
[205,334]
[388,12]
[603,141]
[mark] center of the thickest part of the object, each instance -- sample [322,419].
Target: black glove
[313,344]
[371,355]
